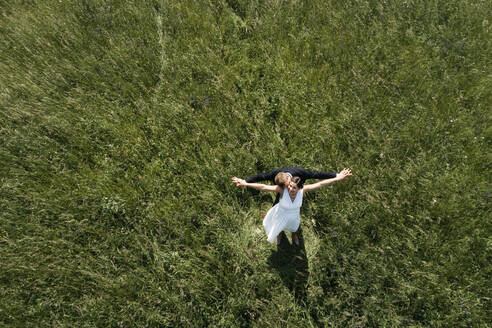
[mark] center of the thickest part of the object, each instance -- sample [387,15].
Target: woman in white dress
[285,215]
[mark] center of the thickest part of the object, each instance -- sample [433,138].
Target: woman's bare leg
[295,239]
[279,238]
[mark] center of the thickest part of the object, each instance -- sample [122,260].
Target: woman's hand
[345,173]
[239,182]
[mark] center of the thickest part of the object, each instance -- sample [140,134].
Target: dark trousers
[277,199]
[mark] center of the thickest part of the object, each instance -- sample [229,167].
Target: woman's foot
[295,239]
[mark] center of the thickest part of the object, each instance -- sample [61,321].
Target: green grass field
[123,123]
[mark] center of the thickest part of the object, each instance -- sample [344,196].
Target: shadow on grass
[292,265]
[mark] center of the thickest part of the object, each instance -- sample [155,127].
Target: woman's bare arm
[340,176]
[257,186]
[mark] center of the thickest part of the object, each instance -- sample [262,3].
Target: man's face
[287,183]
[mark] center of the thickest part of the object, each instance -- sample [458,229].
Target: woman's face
[293,189]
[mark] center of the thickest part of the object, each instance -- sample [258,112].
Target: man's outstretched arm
[267,176]
[312,174]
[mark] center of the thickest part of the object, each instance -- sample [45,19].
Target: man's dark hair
[298,182]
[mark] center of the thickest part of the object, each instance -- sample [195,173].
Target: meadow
[123,123]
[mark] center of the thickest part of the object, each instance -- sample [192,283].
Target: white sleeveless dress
[285,215]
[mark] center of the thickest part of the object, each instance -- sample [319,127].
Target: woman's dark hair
[298,182]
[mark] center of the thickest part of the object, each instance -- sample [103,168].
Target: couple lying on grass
[290,187]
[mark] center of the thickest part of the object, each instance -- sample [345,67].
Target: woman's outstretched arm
[258,186]
[313,186]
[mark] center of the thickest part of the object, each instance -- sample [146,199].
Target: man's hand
[238,182]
